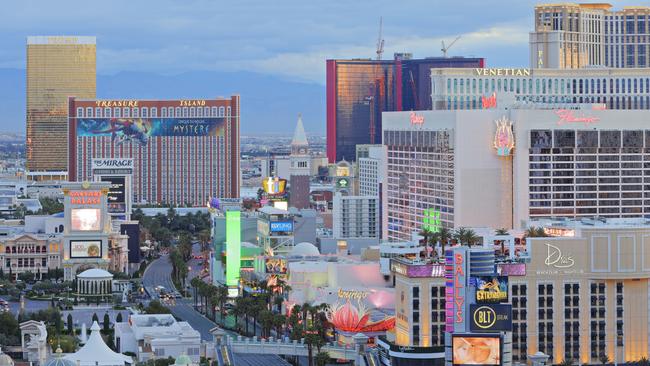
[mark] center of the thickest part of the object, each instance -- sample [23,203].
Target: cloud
[310,65]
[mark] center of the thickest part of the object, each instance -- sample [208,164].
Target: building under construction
[359,90]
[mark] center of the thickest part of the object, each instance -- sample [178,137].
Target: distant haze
[268,104]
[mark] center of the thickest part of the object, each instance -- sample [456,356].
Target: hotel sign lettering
[558,262]
[567,116]
[85,197]
[502,72]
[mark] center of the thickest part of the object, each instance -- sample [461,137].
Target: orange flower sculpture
[348,318]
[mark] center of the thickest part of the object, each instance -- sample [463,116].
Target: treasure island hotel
[57,67]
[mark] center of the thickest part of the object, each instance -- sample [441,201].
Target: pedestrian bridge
[286,347]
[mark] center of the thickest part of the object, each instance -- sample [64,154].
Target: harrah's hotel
[184,151]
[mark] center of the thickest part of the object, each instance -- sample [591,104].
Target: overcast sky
[283,38]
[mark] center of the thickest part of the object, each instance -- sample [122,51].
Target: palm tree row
[444,237]
[264,307]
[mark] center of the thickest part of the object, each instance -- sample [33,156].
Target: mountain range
[269,104]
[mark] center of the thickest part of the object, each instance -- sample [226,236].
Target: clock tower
[300,168]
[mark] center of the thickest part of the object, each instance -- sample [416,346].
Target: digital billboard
[85,248]
[476,349]
[274,185]
[490,318]
[276,265]
[85,219]
[491,289]
[140,130]
[116,193]
[233,248]
[281,226]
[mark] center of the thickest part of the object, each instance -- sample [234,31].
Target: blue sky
[284,39]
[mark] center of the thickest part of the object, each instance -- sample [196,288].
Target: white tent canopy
[96,352]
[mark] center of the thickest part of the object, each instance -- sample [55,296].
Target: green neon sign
[431,220]
[233,247]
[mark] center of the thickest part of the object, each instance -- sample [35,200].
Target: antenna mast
[380,41]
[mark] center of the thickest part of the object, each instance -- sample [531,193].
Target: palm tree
[322,358]
[566,362]
[195,283]
[465,236]
[444,236]
[535,232]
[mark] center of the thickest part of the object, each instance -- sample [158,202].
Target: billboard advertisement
[491,289]
[511,269]
[490,318]
[85,219]
[476,349]
[116,193]
[274,186]
[418,270]
[276,265]
[281,226]
[85,248]
[140,130]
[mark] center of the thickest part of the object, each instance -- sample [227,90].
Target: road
[158,273]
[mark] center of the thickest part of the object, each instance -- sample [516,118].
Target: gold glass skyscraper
[57,67]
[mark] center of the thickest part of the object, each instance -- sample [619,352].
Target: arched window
[80,112]
[153,112]
[178,111]
[163,111]
[192,112]
[185,111]
[145,112]
[107,112]
[206,111]
[89,112]
[116,112]
[222,111]
[136,112]
[125,112]
[98,112]
[215,112]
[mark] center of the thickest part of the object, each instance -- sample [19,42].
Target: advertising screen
[85,219]
[85,248]
[116,193]
[140,130]
[281,226]
[475,349]
[491,289]
[490,318]
[276,265]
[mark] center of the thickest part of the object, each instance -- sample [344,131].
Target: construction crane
[380,41]
[444,48]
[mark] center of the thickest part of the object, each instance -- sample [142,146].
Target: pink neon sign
[416,119]
[567,116]
[489,102]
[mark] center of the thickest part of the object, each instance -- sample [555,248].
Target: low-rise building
[157,336]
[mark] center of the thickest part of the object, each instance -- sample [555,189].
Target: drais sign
[504,139]
[416,119]
[556,259]
[455,290]
[489,102]
[567,116]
